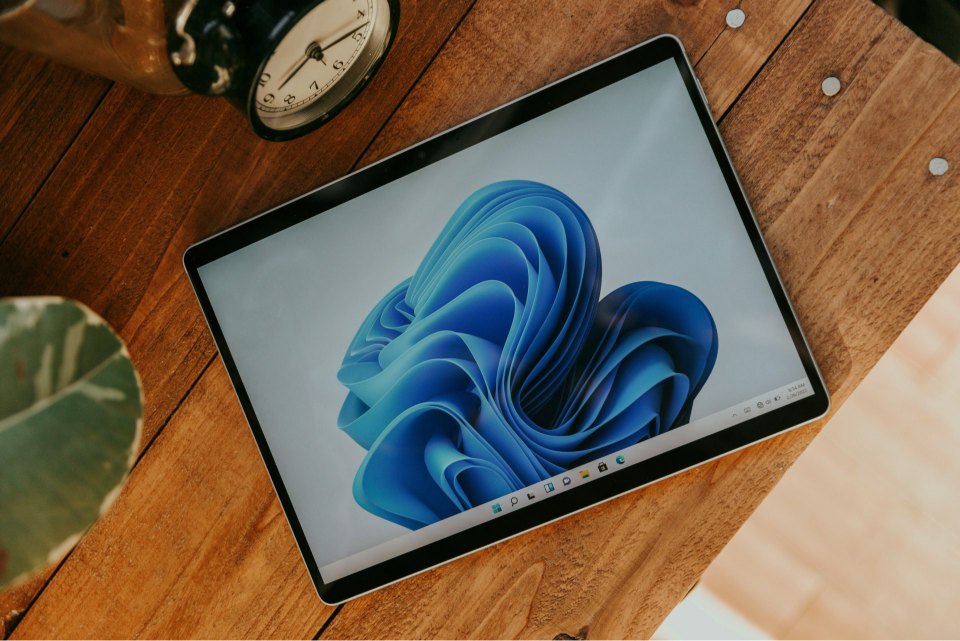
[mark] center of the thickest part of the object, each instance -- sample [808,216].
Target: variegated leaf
[71,409]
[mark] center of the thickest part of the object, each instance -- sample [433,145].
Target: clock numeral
[264,79]
[269,98]
[338,64]
[290,98]
[357,35]
[315,86]
[360,14]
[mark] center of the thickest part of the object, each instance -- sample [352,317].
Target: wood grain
[506,49]
[165,339]
[152,173]
[148,176]
[737,54]
[515,62]
[42,107]
[853,168]
[838,184]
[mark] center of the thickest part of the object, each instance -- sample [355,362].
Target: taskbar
[579,475]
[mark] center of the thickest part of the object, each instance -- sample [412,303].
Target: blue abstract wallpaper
[496,365]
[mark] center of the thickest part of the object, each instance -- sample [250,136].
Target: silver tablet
[550,305]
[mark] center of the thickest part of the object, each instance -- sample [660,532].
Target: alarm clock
[288,65]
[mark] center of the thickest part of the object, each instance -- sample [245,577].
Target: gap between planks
[53,167]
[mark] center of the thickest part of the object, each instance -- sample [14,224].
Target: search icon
[514,500]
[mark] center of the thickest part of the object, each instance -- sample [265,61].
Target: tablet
[552,304]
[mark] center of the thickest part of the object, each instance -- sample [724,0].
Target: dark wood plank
[43,105]
[864,235]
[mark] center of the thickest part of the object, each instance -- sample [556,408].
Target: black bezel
[432,150]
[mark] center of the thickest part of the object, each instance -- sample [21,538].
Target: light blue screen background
[636,160]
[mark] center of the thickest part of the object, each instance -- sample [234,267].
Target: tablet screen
[554,304]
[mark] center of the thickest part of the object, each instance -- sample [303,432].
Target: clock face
[321,61]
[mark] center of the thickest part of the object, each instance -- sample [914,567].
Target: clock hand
[315,50]
[343,34]
[293,73]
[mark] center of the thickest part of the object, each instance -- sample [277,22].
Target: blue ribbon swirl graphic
[496,366]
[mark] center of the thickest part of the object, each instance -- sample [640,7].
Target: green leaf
[71,411]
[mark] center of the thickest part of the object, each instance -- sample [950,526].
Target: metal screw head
[830,86]
[735,18]
[938,166]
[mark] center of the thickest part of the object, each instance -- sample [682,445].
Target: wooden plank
[42,107]
[151,175]
[840,185]
[157,332]
[737,54]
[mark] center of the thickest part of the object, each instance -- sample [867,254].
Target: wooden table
[102,188]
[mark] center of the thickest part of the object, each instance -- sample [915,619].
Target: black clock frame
[232,41]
